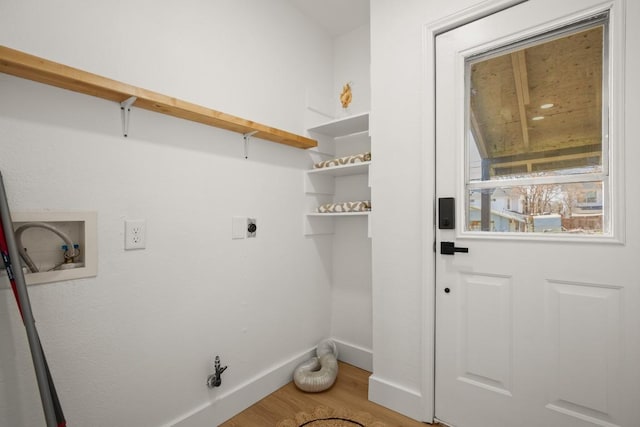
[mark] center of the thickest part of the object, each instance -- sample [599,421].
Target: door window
[536,148]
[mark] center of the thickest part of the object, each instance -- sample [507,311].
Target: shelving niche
[350,135]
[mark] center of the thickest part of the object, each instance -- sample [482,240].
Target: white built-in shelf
[328,214]
[320,182]
[343,170]
[316,223]
[344,126]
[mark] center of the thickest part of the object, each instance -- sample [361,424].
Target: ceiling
[337,17]
[540,108]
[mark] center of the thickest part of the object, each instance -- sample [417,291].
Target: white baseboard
[397,398]
[241,397]
[355,355]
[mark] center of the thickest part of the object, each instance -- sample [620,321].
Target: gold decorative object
[345,96]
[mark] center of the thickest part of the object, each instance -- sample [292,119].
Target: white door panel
[535,330]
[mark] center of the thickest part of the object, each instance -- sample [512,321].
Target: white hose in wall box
[70,253]
[320,372]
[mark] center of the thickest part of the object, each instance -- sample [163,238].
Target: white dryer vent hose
[320,372]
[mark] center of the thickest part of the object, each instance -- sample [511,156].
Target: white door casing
[535,330]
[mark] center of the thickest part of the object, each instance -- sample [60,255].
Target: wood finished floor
[350,391]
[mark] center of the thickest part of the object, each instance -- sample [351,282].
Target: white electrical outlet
[135,234]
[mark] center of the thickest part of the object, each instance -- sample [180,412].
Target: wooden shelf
[41,70]
[343,126]
[342,170]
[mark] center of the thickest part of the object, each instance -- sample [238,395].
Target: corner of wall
[235,401]
[396,397]
[355,355]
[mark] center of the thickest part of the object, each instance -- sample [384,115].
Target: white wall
[352,64]
[402,328]
[134,345]
[351,319]
[351,305]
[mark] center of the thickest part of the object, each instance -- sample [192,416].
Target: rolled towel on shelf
[356,158]
[345,207]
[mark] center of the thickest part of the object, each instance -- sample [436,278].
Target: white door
[539,323]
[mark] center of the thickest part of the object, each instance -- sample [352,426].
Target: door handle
[450,248]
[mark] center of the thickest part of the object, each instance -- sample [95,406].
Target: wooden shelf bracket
[125,110]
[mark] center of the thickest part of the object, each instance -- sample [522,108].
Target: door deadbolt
[446,213]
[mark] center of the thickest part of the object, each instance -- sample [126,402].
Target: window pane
[539,108]
[575,208]
[536,145]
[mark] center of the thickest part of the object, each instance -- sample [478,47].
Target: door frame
[429,203]
[429,33]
